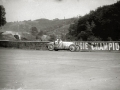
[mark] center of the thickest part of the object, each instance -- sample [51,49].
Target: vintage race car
[62,45]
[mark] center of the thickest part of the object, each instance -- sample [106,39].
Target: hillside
[101,24]
[48,26]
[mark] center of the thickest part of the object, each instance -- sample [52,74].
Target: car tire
[56,49]
[72,48]
[77,48]
[50,47]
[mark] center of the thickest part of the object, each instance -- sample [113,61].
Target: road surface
[59,70]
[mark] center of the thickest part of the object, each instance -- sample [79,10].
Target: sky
[20,10]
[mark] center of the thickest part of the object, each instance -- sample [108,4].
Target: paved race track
[59,70]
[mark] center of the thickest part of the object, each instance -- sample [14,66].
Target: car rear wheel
[77,48]
[72,48]
[50,47]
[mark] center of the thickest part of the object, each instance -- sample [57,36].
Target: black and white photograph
[59,44]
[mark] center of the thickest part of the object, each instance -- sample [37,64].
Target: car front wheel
[50,47]
[72,48]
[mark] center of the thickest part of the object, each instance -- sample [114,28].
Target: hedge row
[37,45]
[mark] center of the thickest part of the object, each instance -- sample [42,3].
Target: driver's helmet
[57,41]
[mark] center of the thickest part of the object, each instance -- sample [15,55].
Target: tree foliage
[101,24]
[34,31]
[2,16]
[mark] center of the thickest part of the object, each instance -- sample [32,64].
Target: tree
[101,24]
[2,16]
[92,25]
[42,33]
[83,36]
[52,37]
[93,38]
[88,26]
[34,31]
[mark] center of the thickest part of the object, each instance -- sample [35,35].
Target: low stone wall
[83,45]
[36,45]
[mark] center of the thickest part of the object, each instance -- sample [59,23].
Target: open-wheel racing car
[62,45]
